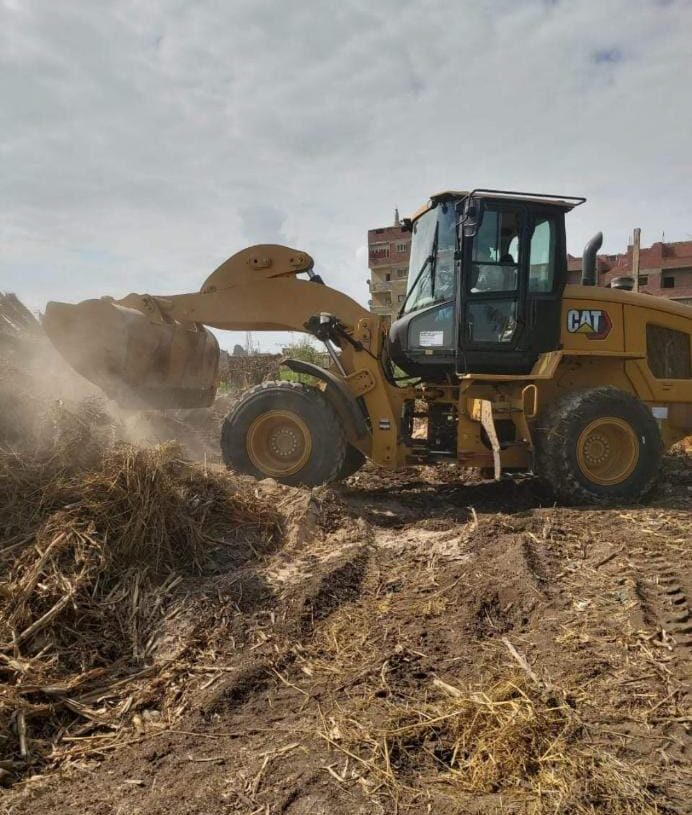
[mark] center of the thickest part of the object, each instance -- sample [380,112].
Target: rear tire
[598,446]
[287,431]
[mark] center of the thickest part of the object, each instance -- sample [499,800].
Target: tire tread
[552,462]
[337,439]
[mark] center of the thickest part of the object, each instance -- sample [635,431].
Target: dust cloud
[39,388]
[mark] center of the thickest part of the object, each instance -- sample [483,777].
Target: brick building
[665,270]
[388,252]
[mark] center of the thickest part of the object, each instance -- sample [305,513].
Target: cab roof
[564,202]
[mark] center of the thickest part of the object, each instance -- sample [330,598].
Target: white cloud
[143,142]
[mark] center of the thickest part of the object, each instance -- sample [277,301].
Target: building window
[379,251]
[402,247]
[387,277]
[668,282]
[400,273]
[643,279]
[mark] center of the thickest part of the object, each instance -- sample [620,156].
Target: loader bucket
[136,362]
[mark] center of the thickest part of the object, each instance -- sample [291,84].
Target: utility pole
[636,242]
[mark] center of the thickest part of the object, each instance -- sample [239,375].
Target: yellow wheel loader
[494,360]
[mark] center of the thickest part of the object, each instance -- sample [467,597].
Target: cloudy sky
[144,141]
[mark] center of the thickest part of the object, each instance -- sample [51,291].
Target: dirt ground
[420,643]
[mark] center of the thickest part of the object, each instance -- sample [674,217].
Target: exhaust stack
[588,270]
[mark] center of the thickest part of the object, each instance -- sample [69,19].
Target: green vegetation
[306,351]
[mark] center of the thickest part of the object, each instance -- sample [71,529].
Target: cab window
[495,257]
[542,256]
[432,275]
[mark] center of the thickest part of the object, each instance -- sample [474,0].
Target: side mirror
[470,217]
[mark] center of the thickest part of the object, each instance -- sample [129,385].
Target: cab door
[510,286]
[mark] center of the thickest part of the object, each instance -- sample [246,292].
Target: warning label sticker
[428,339]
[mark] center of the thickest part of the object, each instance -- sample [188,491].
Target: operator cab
[486,275]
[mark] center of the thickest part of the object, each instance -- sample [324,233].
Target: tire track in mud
[663,588]
[664,597]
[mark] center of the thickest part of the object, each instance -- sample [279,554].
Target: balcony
[376,259]
[380,285]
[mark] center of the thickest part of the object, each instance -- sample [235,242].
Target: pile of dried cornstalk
[94,539]
[516,737]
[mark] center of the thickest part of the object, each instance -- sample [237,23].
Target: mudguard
[343,401]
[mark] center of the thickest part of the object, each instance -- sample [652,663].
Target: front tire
[287,431]
[599,445]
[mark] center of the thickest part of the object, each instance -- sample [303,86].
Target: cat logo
[593,322]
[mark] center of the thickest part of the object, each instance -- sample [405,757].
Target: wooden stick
[45,619]
[38,566]
[448,689]
[289,684]
[608,558]
[523,664]
[21,732]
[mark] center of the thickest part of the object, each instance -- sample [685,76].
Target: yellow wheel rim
[279,443]
[607,451]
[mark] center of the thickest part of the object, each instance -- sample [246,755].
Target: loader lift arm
[256,289]
[153,350]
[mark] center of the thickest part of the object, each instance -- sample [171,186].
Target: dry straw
[93,538]
[514,739]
